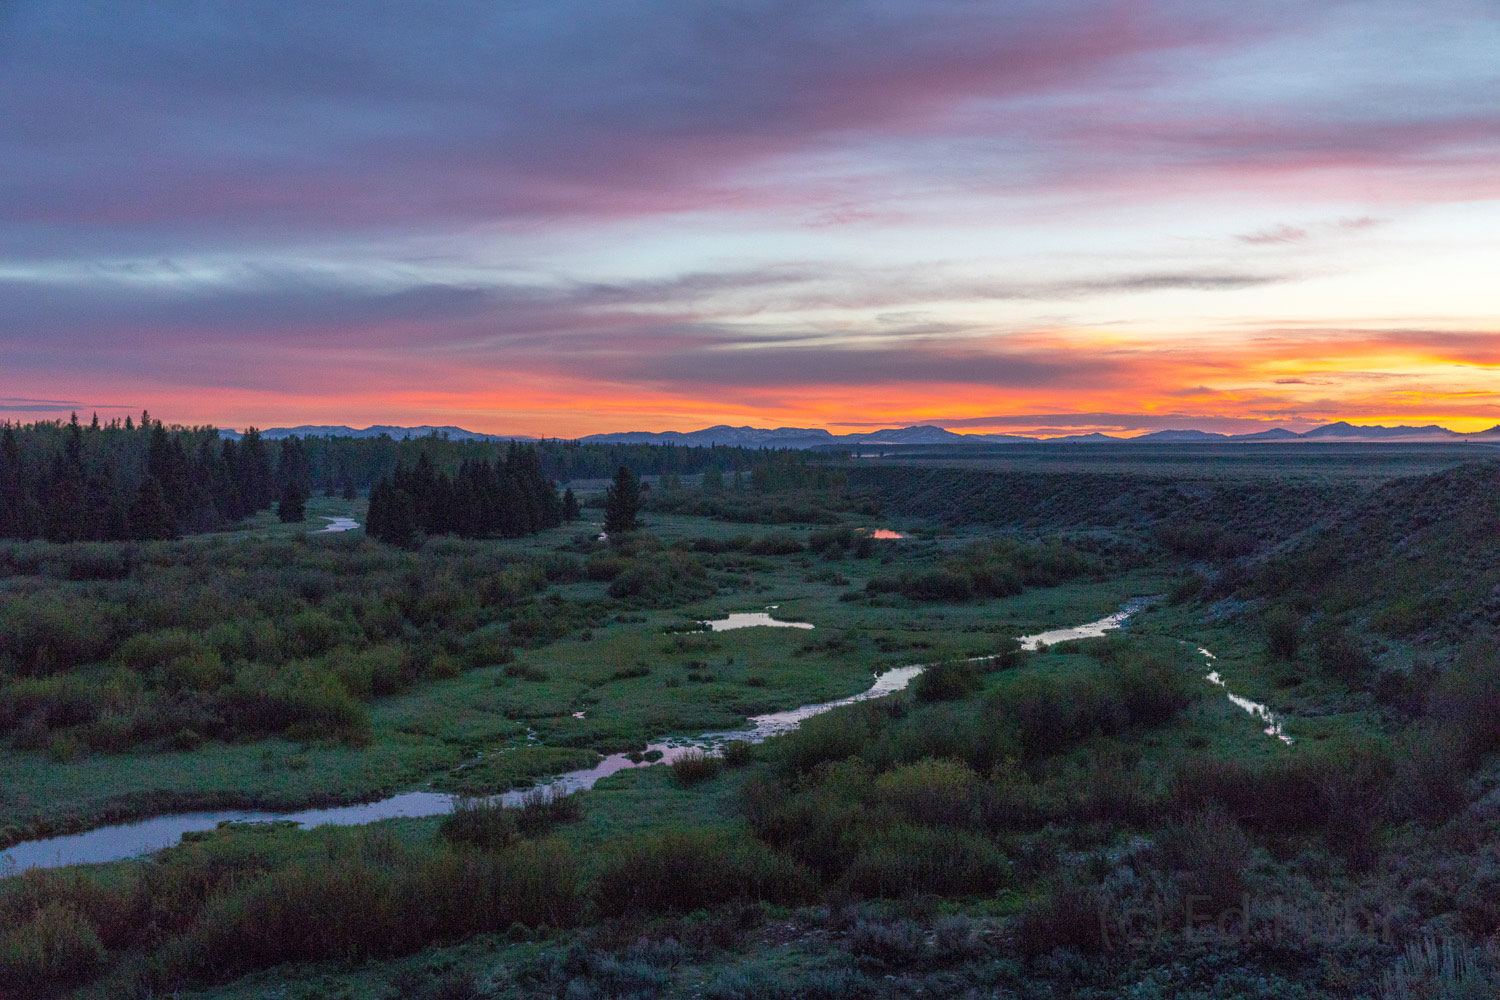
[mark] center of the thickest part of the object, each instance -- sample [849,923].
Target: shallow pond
[128,840]
[748,619]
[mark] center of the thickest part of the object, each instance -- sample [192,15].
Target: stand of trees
[67,482]
[507,499]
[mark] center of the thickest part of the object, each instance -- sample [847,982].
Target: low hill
[1415,558]
[1262,510]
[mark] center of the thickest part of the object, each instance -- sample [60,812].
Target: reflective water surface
[747,619]
[336,524]
[1091,630]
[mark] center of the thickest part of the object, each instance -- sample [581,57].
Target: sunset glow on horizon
[556,219]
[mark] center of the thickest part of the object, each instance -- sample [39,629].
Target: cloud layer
[565,217]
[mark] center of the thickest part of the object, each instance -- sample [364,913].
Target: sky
[556,218]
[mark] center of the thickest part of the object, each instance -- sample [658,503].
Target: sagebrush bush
[1071,914]
[756,983]
[884,943]
[1210,852]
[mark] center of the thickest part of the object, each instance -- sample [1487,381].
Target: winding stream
[336,525]
[128,840]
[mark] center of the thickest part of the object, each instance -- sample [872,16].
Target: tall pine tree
[622,503]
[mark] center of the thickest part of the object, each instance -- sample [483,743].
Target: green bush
[905,860]
[543,808]
[737,753]
[55,631]
[1071,915]
[695,766]
[775,545]
[54,948]
[481,823]
[947,681]
[682,870]
[374,899]
[929,792]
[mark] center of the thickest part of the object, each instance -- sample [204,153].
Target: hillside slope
[1415,558]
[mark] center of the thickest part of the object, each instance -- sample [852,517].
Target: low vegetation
[1094,819]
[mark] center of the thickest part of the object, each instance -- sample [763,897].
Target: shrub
[947,681]
[737,753]
[775,545]
[374,898]
[886,942]
[54,702]
[311,707]
[488,646]
[718,546]
[1152,685]
[755,983]
[56,947]
[526,672]
[314,633]
[543,808]
[695,766]
[904,860]
[682,870]
[1212,854]
[1071,915]
[1341,658]
[1466,699]
[1450,970]
[929,792]
[1050,714]
[481,823]
[832,736]
[56,631]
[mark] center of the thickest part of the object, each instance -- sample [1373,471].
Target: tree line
[67,482]
[506,499]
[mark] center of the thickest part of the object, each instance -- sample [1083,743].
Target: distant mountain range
[399,433]
[808,437]
[815,437]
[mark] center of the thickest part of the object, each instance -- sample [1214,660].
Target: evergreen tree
[151,515]
[622,503]
[570,509]
[293,505]
[713,479]
[14,501]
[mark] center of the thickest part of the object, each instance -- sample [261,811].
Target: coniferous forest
[128,480]
[508,499]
